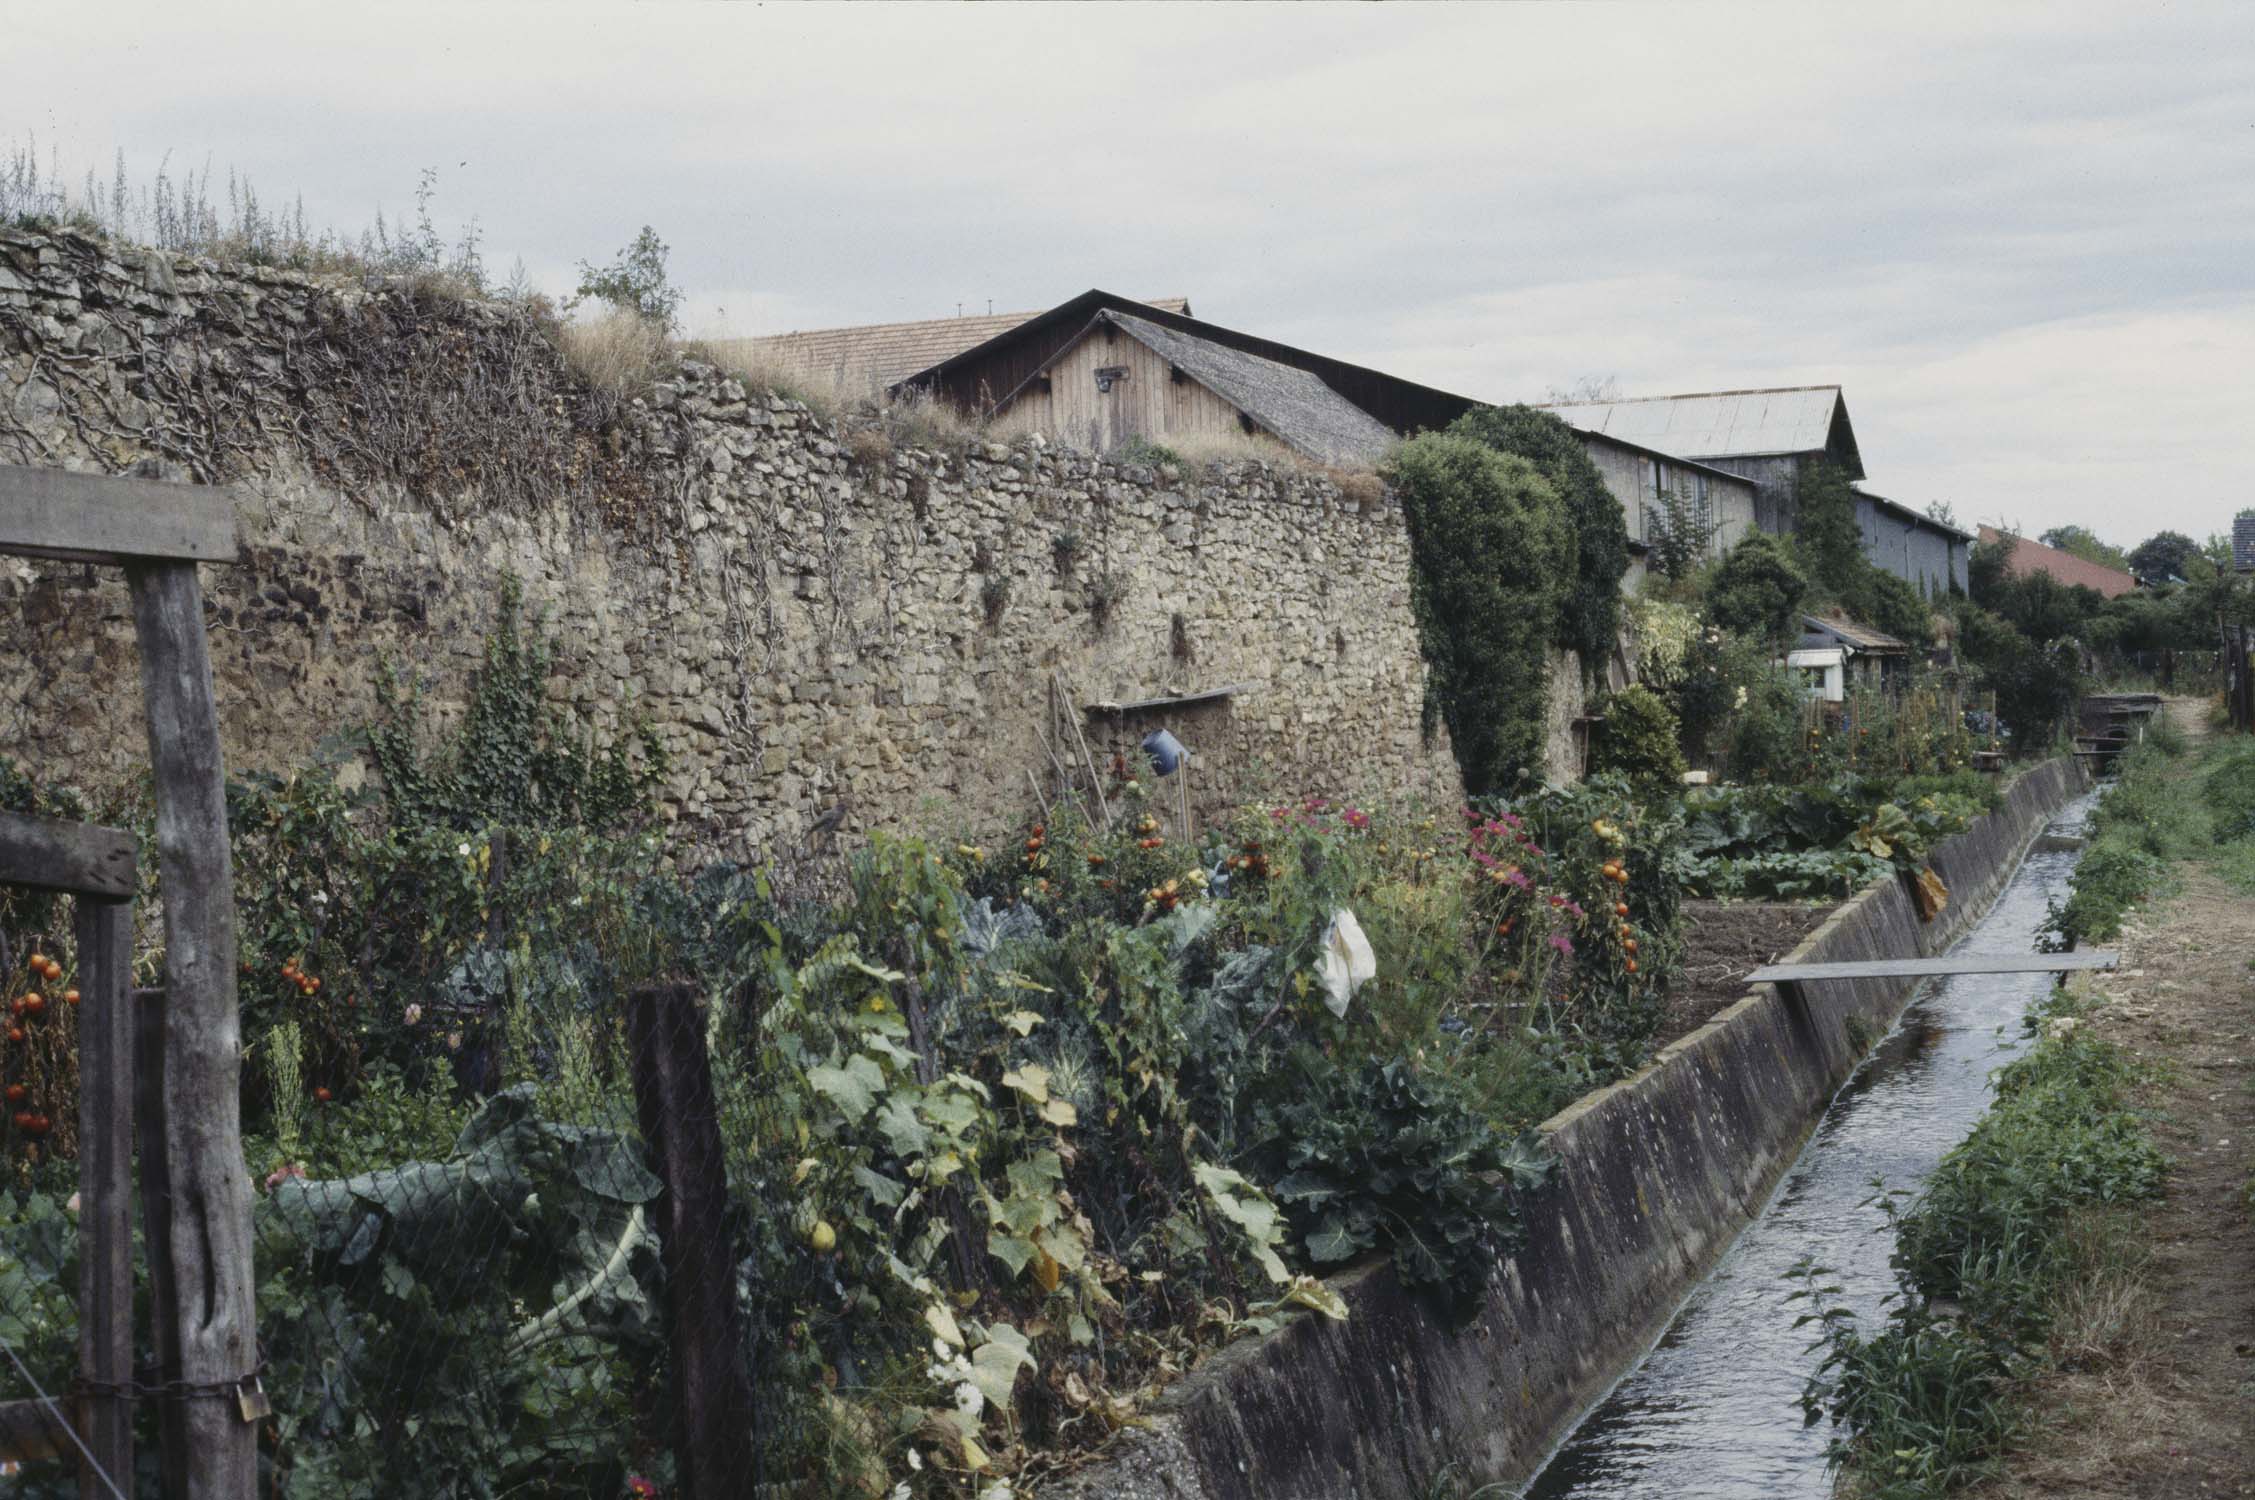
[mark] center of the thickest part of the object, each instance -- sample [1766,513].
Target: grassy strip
[2013,1255]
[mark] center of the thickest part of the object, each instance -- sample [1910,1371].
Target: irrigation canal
[1710,1411]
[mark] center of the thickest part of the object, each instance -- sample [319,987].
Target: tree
[2162,556]
[1589,605]
[1756,591]
[1944,512]
[2083,543]
[1491,553]
[1824,528]
[633,283]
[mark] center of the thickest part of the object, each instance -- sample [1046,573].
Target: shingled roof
[1292,404]
[1727,424]
[2026,556]
[872,356]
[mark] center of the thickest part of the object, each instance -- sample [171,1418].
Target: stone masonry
[808,615]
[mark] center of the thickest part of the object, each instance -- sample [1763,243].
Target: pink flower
[1561,942]
[1576,908]
[284,1173]
[1357,818]
[640,1488]
[1483,858]
[1514,876]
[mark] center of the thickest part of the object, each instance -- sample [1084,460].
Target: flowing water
[1710,1410]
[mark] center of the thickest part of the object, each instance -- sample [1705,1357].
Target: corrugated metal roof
[2027,555]
[1291,403]
[1692,464]
[1716,424]
[1861,637]
[872,356]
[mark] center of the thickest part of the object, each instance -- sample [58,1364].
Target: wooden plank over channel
[108,518]
[56,854]
[1920,968]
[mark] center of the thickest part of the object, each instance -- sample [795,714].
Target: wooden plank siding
[1148,403]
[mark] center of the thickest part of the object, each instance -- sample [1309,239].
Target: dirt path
[2167,1409]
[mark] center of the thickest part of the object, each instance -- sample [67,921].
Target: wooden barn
[1101,370]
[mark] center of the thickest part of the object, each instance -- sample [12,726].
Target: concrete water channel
[1709,1411]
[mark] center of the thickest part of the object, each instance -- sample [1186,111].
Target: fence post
[212,1320]
[673,1099]
[156,1227]
[105,1192]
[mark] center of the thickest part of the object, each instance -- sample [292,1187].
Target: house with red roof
[2026,556]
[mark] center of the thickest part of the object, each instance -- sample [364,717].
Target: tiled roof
[1290,402]
[875,355]
[2027,556]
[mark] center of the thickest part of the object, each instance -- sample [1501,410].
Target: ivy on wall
[1588,617]
[1492,553]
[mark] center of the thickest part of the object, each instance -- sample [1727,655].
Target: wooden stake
[105,1192]
[208,1221]
[1095,782]
[673,1099]
[151,1135]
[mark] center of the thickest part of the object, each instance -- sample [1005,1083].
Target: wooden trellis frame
[196,1195]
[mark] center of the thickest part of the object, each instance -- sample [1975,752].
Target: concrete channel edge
[1656,1175]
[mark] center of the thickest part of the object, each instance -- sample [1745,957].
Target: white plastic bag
[1346,963]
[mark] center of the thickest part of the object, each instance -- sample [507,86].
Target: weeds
[618,353]
[2018,1243]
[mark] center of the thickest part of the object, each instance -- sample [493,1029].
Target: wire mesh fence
[533,1274]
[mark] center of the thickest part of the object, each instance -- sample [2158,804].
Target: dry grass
[912,420]
[616,352]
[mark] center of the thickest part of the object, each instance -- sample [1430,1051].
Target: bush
[635,282]
[1640,741]
[1756,591]
[1493,554]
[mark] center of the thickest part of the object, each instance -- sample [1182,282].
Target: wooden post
[105,1193]
[673,1099]
[207,1226]
[156,1225]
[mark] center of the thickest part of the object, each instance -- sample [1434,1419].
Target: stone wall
[809,616]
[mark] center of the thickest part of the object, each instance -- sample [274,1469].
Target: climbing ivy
[1588,611]
[514,760]
[1493,554]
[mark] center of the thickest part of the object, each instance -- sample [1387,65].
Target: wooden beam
[56,854]
[105,1192]
[1921,968]
[108,518]
[207,1233]
[32,1432]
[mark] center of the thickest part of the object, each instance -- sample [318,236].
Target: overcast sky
[2022,238]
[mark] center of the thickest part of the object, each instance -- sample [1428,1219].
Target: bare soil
[2166,1408]
[1723,942]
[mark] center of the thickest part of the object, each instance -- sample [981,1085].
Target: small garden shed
[1840,656]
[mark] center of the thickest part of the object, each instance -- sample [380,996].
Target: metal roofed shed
[1728,424]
